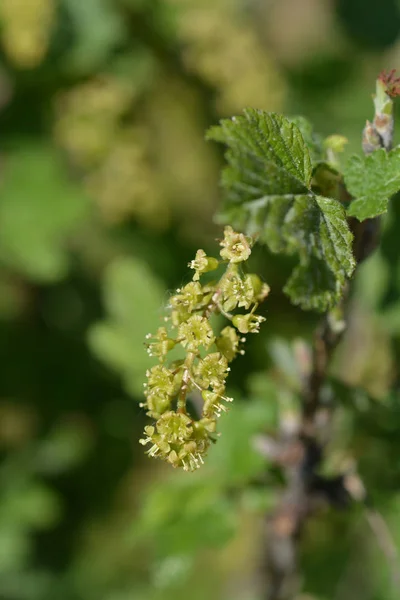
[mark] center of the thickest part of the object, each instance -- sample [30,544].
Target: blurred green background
[107,188]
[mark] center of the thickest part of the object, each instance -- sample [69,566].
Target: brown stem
[304,487]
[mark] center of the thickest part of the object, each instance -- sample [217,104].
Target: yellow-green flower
[212,371]
[174,427]
[187,297]
[159,446]
[213,404]
[235,246]
[228,342]
[160,378]
[240,292]
[203,264]
[249,323]
[196,332]
[161,345]
[157,403]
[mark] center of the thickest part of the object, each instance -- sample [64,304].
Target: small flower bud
[205,424]
[228,342]
[179,316]
[203,264]
[379,134]
[213,404]
[249,323]
[371,140]
[157,402]
[336,143]
[382,100]
[162,344]
[384,126]
[259,289]
[188,297]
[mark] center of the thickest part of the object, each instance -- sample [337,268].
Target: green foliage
[65,447]
[42,207]
[133,296]
[107,190]
[234,460]
[186,515]
[268,186]
[31,505]
[372,180]
[312,140]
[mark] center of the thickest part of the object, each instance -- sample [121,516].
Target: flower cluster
[109,150]
[176,436]
[26,30]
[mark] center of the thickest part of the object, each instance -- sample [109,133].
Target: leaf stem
[188,364]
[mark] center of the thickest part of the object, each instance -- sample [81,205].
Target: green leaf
[372,180]
[40,208]
[267,144]
[30,505]
[234,458]
[268,186]
[133,298]
[66,446]
[312,140]
[184,515]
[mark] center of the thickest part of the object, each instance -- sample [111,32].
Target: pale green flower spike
[177,437]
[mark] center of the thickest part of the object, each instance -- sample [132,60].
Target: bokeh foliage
[107,189]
